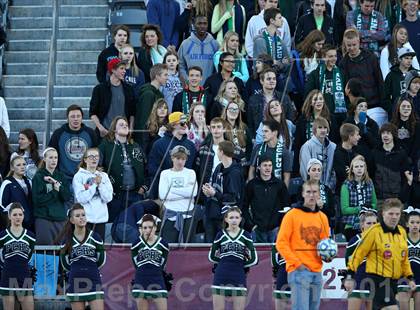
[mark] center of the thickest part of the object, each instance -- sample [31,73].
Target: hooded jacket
[313,148]
[106,55]
[71,145]
[229,184]
[194,52]
[264,203]
[91,196]
[49,203]
[366,68]
[394,87]
[389,171]
[148,94]
[300,232]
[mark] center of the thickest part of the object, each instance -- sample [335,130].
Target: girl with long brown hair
[28,147]
[198,129]
[156,124]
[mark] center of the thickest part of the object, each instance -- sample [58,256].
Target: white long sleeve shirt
[256,25]
[177,189]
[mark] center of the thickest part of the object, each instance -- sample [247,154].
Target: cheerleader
[413,238]
[82,255]
[233,251]
[149,254]
[361,292]
[16,248]
[282,292]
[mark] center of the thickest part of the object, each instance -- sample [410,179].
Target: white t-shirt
[216,160]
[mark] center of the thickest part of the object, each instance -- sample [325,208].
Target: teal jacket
[48,203]
[113,163]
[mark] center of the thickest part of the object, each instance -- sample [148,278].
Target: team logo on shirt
[310,234]
[387,254]
[75,148]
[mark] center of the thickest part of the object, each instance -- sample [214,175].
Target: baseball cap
[406,51]
[177,117]
[410,76]
[114,63]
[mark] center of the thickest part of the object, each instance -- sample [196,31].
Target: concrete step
[25,91]
[29,34]
[29,45]
[24,56]
[72,91]
[83,22]
[76,67]
[66,33]
[30,11]
[77,56]
[79,79]
[27,68]
[28,22]
[36,124]
[31,2]
[84,10]
[34,113]
[64,102]
[22,80]
[81,45]
[61,113]
[25,102]
[78,2]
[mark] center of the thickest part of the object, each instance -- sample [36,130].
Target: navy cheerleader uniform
[83,264]
[278,263]
[362,288]
[15,254]
[232,256]
[414,258]
[149,261]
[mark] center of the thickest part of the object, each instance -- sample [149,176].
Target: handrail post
[49,100]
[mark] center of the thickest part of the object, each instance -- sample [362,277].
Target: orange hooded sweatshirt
[300,231]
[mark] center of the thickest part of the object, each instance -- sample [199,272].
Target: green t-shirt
[318,21]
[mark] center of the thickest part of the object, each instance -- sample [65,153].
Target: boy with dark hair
[394,85]
[121,35]
[266,200]
[193,92]
[270,42]
[274,147]
[112,98]
[148,94]
[225,189]
[391,164]
[71,141]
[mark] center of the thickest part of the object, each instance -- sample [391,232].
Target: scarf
[337,87]
[323,193]
[277,157]
[157,54]
[373,25]
[308,132]
[274,46]
[187,99]
[236,22]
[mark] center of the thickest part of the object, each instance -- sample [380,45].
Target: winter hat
[406,51]
[410,76]
[311,162]
[177,117]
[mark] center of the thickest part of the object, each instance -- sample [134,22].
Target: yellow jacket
[385,250]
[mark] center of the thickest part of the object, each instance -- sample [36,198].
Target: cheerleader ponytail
[67,232]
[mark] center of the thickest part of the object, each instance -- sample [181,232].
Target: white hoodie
[256,25]
[93,197]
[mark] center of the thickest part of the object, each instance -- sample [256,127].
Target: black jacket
[103,58]
[229,184]
[342,160]
[306,24]
[145,63]
[264,201]
[393,88]
[101,100]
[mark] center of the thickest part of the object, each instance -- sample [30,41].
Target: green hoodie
[148,94]
[48,203]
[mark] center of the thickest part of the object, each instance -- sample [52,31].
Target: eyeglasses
[92,157]
[229,61]
[182,124]
[233,110]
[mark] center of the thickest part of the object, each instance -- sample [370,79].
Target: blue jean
[259,236]
[306,289]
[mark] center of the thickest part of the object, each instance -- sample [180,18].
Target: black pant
[211,228]
[385,291]
[98,228]
[171,234]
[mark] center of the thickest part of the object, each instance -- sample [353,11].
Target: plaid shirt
[358,198]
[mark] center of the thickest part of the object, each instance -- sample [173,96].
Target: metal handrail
[49,100]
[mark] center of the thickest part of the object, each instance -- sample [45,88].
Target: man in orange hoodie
[300,231]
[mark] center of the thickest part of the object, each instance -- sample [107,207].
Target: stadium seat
[120,4]
[129,17]
[135,36]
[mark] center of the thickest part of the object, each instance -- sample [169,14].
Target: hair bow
[410,210]
[364,210]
